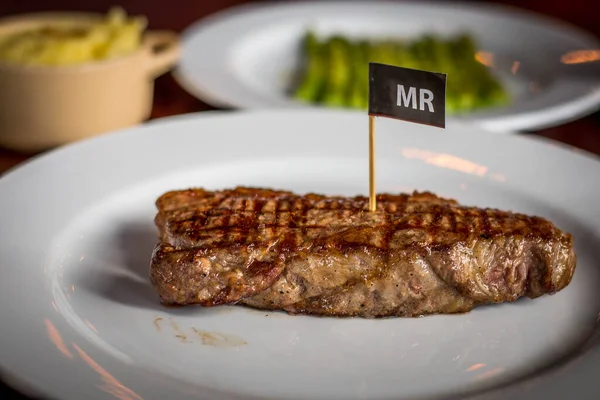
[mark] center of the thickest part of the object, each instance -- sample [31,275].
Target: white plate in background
[80,320]
[244,57]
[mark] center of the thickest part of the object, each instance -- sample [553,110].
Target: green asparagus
[336,70]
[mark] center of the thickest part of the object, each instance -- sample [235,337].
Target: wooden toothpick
[372,191]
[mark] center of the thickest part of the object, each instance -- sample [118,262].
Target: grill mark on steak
[417,254]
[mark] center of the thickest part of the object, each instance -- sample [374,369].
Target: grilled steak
[417,254]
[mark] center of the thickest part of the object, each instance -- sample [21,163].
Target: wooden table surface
[170,99]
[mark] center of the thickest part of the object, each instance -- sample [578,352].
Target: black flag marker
[407,94]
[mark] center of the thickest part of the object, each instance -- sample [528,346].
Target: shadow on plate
[132,287]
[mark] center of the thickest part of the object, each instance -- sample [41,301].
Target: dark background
[170,99]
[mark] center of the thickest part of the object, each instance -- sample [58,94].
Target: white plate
[79,317]
[243,57]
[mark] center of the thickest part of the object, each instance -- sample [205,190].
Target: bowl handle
[163,51]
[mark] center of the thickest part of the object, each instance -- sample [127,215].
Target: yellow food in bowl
[71,43]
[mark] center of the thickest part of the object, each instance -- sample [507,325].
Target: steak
[417,254]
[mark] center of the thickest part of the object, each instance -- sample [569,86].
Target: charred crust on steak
[417,254]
